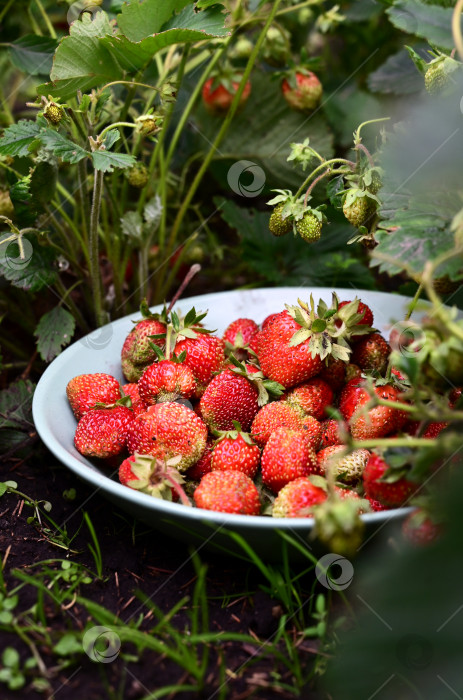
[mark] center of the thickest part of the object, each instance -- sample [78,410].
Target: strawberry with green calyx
[366,314]
[166,380]
[238,335]
[86,390]
[371,353]
[168,430]
[229,397]
[138,405]
[137,351]
[440,75]
[235,450]
[359,207]
[286,456]
[298,499]
[272,416]
[385,477]
[53,112]
[102,430]
[371,179]
[266,387]
[302,89]
[156,477]
[346,467]
[228,492]
[219,90]
[280,224]
[149,124]
[309,226]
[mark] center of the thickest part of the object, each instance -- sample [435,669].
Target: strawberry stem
[194,269]
[325,163]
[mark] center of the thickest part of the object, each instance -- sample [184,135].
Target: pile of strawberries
[260,421]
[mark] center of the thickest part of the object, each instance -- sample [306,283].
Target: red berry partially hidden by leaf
[298,499]
[85,390]
[303,91]
[395,493]
[217,96]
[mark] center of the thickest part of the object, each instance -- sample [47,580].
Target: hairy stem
[95,273]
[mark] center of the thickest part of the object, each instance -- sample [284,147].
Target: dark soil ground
[136,559]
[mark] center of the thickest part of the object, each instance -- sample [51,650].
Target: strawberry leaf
[54,331]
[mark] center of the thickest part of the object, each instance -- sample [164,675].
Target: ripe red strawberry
[371,353]
[330,433]
[297,499]
[303,91]
[228,492]
[254,343]
[312,430]
[166,381]
[367,319]
[137,353]
[138,405]
[85,390]
[205,355]
[217,96]
[390,494]
[434,429]
[310,398]
[272,416]
[237,452]
[348,468]
[289,365]
[240,332]
[378,421]
[286,456]
[203,465]
[419,529]
[227,398]
[102,432]
[268,320]
[169,430]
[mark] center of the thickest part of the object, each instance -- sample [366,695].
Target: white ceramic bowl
[100,352]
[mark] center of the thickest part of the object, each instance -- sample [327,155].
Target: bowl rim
[97,478]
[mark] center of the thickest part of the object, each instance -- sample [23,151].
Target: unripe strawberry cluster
[258,421]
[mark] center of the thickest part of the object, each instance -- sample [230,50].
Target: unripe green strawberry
[53,113]
[346,468]
[359,211]
[302,91]
[436,79]
[138,175]
[277,225]
[309,227]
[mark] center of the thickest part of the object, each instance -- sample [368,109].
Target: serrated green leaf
[91,24]
[397,76]
[33,54]
[18,138]
[37,269]
[139,20]
[62,147]
[54,331]
[427,21]
[108,160]
[111,137]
